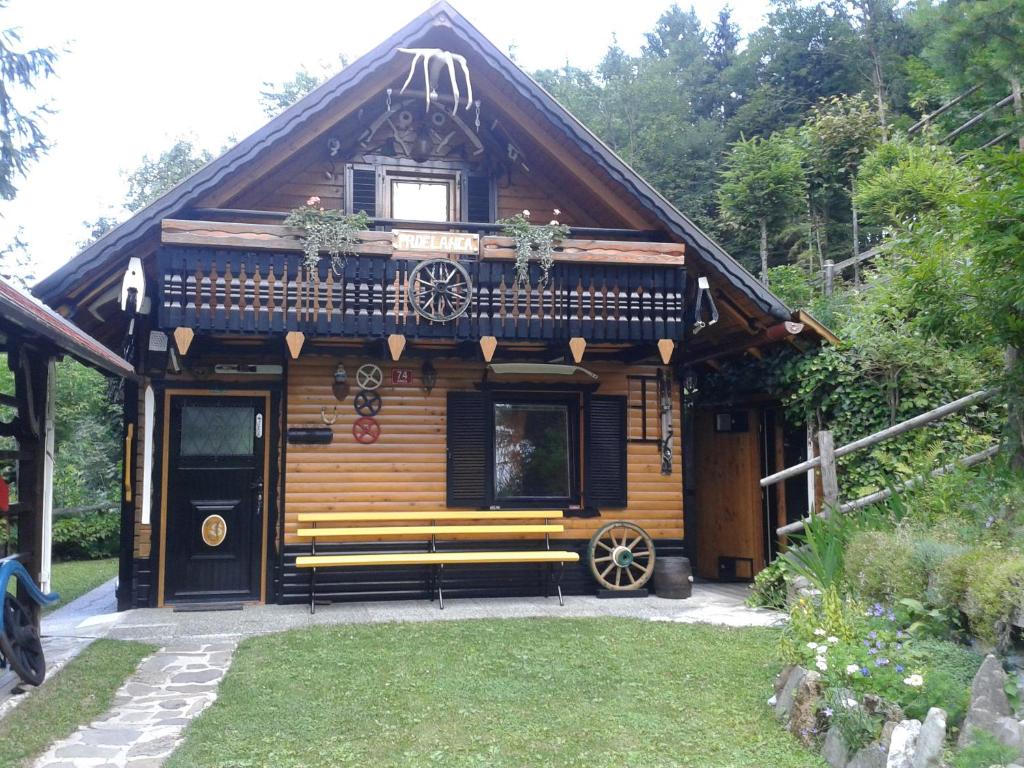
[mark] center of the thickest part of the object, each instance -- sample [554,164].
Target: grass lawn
[74,578]
[77,694]
[531,692]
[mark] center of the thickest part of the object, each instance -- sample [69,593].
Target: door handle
[258,487]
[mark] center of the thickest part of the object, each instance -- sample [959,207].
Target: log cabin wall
[405,469]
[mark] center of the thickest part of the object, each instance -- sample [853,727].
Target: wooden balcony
[247,278]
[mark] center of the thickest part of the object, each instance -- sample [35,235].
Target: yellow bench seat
[418,531]
[428,515]
[437,558]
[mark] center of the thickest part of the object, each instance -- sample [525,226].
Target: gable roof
[102,256]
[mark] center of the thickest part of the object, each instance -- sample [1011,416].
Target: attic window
[418,199]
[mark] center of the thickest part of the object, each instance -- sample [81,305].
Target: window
[531,451]
[420,198]
[217,430]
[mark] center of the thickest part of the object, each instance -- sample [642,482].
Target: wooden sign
[214,530]
[426,241]
[401,377]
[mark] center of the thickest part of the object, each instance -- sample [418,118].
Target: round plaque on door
[215,529]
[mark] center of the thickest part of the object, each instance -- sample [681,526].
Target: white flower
[850,703]
[526,213]
[314,200]
[554,222]
[914,680]
[819,632]
[833,639]
[557,212]
[852,669]
[820,664]
[812,646]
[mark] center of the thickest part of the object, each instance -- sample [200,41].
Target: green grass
[78,694]
[551,692]
[74,578]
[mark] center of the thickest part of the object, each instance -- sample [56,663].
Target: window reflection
[531,451]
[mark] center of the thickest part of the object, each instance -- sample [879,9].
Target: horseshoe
[366,430]
[328,420]
[369,376]
[367,403]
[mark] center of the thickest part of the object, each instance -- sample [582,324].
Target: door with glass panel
[215,507]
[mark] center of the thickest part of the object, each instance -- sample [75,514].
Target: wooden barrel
[673,578]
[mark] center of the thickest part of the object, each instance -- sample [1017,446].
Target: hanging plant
[332,231]
[533,242]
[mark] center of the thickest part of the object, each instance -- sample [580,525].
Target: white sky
[138,74]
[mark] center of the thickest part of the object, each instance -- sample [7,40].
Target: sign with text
[401,376]
[426,241]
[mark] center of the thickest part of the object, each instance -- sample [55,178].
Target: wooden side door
[729,516]
[214,526]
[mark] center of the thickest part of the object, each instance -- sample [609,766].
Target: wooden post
[665,349]
[183,339]
[828,270]
[295,340]
[829,478]
[396,343]
[577,344]
[487,345]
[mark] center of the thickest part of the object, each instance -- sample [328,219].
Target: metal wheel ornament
[440,290]
[369,376]
[367,403]
[19,642]
[366,430]
[621,556]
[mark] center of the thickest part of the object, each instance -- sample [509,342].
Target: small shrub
[983,753]
[948,585]
[769,588]
[883,567]
[857,727]
[994,594]
[89,537]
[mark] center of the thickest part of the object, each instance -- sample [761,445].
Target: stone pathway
[150,710]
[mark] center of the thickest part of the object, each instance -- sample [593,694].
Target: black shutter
[468,428]
[605,458]
[364,191]
[478,199]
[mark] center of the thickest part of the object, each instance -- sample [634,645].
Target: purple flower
[991,521]
[899,667]
[865,671]
[880,644]
[877,609]
[899,634]
[872,634]
[899,646]
[891,616]
[867,643]
[872,651]
[828,711]
[881,662]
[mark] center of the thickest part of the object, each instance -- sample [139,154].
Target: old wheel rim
[20,644]
[440,290]
[621,556]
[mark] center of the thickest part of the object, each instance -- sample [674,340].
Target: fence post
[829,478]
[828,269]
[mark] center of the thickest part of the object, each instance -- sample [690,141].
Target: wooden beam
[487,345]
[183,339]
[577,344]
[665,348]
[396,343]
[274,237]
[295,340]
[829,477]
[595,251]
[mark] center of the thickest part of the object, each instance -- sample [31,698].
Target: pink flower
[314,200]
[526,213]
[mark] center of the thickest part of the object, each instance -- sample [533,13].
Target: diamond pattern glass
[220,430]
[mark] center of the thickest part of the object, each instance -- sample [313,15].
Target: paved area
[66,632]
[711,603]
[150,710]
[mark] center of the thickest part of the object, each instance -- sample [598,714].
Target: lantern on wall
[429,374]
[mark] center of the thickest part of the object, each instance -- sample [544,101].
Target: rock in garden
[931,740]
[782,677]
[903,745]
[784,698]
[871,756]
[834,750]
[990,708]
[798,587]
[803,716]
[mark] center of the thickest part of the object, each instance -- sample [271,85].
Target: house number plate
[215,529]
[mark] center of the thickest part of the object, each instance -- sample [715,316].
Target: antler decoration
[431,69]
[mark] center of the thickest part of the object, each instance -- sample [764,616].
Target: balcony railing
[253,283]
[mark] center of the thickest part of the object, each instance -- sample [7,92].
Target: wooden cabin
[255,407]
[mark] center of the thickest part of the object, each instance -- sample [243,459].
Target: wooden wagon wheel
[440,290]
[621,556]
[369,376]
[19,642]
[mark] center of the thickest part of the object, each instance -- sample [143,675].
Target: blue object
[9,567]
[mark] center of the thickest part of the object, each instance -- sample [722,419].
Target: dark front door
[215,509]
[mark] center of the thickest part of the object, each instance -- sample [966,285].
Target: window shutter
[478,199]
[364,191]
[467,449]
[605,458]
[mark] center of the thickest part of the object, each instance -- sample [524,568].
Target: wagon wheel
[367,403]
[19,642]
[621,556]
[440,290]
[369,376]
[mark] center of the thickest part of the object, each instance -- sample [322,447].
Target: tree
[763,186]
[153,177]
[279,96]
[21,137]
[16,264]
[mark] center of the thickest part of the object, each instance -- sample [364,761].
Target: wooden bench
[430,526]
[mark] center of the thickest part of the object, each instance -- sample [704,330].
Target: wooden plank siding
[405,469]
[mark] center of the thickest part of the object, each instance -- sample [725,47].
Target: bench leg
[558,583]
[312,592]
[440,591]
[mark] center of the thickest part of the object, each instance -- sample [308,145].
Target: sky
[135,75]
